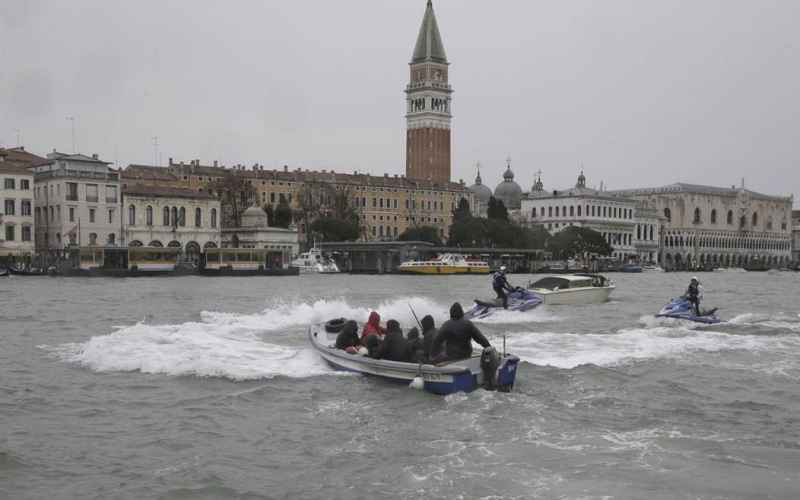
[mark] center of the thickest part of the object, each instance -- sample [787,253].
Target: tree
[270,215]
[575,241]
[462,212]
[333,229]
[421,233]
[468,232]
[236,194]
[283,213]
[497,210]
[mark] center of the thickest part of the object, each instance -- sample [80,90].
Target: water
[205,388]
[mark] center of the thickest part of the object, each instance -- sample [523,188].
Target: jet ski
[518,300]
[681,308]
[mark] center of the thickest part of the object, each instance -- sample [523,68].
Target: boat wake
[569,350]
[206,349]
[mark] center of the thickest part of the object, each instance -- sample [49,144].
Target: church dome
[509,191]
[482,193]
[254,217]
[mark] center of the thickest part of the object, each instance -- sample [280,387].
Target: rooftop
[429,46]
[682,187]
[164,192]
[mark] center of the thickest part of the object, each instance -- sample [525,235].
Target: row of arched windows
[588,210]
[726,242]
[698,219]
[171,216]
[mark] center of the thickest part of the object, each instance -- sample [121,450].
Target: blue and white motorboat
[488,369]
[680,308]
[518,300]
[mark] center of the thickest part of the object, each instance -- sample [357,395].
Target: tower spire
[429,46]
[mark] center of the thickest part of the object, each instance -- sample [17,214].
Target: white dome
[254,217]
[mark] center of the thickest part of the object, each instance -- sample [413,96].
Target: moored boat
[448,263]
[487,369]
[563,289]
[631,268]
[314,261]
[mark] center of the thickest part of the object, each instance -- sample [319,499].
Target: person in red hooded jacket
[373,327]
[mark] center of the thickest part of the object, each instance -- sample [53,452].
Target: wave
[198,349]
[504,317]
[569,350]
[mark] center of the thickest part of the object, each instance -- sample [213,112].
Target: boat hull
[460,376]
[574,296]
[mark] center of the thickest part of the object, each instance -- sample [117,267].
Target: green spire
[429,47]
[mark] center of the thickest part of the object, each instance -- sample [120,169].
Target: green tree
[333,229]
[462,212]
[496,210]
[575,241]
[468,232]
[421,233]
[236,194]
[283,213]
[270,214]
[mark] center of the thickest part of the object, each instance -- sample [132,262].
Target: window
[25,185]
[696,216]
[549,211]
[380,203]
[165,216]
[9,232]
[111,216]
[92,238]
[26,233]
[714,216]
[214,217]
[730,217]
[579,210]
[111,194]
[174,221]
[91,193]
[755,219]
[131,215]
[148,214]
[52,214]
[556,211]
[533,212]
[572,211]
[668,214]
[72,191]
[112,239]
[9,184]
[198,217]
[25,207]
[272,197]
[9,206]
[91,215]
[182,217]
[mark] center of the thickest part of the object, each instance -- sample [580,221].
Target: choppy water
[205,388]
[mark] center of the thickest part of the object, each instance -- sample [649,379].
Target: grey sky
[639,92]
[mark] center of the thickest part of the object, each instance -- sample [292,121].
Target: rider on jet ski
[694,294]
[500,285]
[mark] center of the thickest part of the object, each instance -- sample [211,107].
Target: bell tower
[428,97]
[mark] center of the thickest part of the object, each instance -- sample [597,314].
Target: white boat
[563,289]
[730,270]
[652,268]
[449,263]
[314,262]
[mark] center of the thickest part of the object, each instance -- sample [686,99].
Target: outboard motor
[490,364]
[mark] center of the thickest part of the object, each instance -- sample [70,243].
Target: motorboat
[571,289]
[730,270]
[3,272]
[631,268]
[449,263]
[314,261]
[487,369]
[652,268]
[518,300]
[681,308]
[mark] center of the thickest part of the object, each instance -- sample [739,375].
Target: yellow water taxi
[448,263]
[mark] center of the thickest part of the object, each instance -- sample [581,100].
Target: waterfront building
[796,237]
[386,205]
[428,106]
[612,216]
[172,217]
[16,209]
[708,226]
[76,202]
[255,232]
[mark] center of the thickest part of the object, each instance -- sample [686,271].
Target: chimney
[385,175]
[170,162]
[355,172]
[286,168]
[215,162]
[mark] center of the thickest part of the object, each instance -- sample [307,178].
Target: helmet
[502,269]
[694,278]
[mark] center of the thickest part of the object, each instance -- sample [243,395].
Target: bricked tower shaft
[428,99]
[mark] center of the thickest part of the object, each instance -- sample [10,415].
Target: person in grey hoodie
[429,332]
[457,335]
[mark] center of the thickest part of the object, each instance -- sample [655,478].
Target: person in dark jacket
[501,286]
[428,334]
[373,345]
[393,346]
[414,350]
[457,335]
[348,337]
[694,294]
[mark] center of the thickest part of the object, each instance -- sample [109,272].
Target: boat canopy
[567,281]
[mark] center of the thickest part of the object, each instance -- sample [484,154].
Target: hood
[413,333]
[456,312]
[393,326]
[374,319]
[427,323]
[350,327]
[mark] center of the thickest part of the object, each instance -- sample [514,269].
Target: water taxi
[448,263]
[572,289]
[314,261]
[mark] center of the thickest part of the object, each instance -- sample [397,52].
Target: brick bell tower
[428,97]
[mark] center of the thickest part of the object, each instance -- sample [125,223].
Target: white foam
[502,316]
[568,350]
[199,349]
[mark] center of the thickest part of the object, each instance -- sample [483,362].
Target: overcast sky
[640,93]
